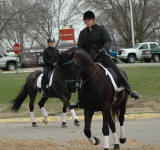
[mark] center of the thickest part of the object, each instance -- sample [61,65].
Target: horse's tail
[120,100]
[17,102]
[119,106]
[115,109]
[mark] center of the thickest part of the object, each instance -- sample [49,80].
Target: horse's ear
[71,52]
[72,55]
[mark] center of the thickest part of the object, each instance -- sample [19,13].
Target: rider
[49,58]
[95,39]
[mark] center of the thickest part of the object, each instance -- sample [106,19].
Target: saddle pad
[116,88]
[39,80]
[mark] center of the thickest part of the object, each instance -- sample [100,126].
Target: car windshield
[136,46]
[5,55]
[158,46]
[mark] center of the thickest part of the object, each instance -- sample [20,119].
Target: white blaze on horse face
[44,112]
[63,117]
[115,138]
[106,142]
[73,114]
[32,116]
[122,133]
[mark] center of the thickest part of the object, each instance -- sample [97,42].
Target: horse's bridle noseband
[68,62]
[72,61]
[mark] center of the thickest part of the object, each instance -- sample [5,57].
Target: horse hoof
[122,140]
[45,121]
[97,141]
[76,123]
[116,147]
[106,148]
[64,125]
[34,124]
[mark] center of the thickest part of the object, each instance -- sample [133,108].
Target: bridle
[76,80]
[68,63]
[84,82]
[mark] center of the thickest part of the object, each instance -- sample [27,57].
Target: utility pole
[21,34]
[2,17]
[132,26]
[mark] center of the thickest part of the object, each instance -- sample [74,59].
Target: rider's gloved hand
[100,54]
[102,51]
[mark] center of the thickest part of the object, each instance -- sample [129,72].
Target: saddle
[50,78]
[113,77]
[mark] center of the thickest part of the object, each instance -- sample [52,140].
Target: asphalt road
[144,132]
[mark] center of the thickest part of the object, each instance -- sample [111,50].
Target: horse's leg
[113,129]
[31,107]
[76,122]
[87,128]
[43,110]
[122,109]
[105,130]
[64,125]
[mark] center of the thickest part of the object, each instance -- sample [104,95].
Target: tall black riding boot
[110,63]
[43,89]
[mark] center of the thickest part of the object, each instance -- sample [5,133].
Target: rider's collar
[93,26]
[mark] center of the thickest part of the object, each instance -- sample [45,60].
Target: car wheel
[156,58]
[11,66]
[131,59]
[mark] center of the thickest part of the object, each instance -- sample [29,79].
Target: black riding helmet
[88,15]
[50,39]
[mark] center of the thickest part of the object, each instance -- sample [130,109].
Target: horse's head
[66,58]
[66,66]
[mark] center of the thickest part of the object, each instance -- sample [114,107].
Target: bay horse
[97,94]
[60,88]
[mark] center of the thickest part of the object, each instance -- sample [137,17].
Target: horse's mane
[82,56]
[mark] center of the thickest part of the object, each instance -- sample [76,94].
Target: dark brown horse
[61,88]
[97,94]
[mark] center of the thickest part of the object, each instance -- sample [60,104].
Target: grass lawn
[145,80]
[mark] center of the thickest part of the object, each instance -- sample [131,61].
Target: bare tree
[49,17]
[116,15]
[36,20]
[12,20]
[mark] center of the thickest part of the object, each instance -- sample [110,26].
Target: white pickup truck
[9,62]
[132,54]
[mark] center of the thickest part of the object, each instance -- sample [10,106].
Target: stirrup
[135,95]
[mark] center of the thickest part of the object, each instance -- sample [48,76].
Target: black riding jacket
[50,57]
[95,40]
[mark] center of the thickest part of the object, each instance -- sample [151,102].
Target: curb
[80,117]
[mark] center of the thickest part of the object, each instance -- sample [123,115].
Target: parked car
[152,54]
[29,59]
[114,55]
[132,54]
[9,62]
[40,60]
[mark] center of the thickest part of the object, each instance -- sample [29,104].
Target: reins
[83,82]
[67,63]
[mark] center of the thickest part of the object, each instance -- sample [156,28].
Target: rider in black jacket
[49,58]
[95,39]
